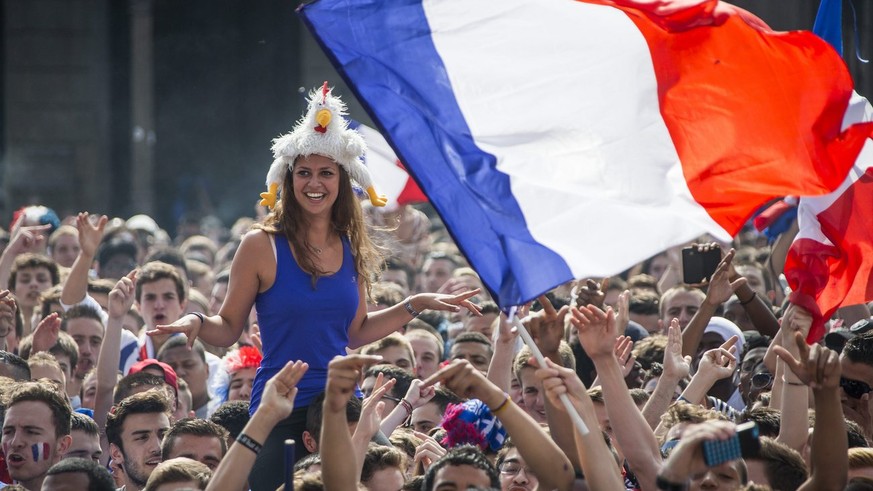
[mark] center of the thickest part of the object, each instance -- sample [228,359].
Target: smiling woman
[307,268]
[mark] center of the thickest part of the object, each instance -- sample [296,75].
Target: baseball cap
[837,339]
[169,374]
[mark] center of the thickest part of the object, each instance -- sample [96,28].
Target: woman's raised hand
[446,302]
[188,324]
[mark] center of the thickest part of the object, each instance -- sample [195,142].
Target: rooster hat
[323,130]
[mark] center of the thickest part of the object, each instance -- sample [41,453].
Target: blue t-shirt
[299,322]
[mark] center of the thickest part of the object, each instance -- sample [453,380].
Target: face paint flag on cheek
[40,451]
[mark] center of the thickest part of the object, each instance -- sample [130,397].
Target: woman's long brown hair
[347,219]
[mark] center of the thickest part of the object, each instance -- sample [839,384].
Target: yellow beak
[322,117]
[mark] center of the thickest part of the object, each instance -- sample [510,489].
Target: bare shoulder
[255,258]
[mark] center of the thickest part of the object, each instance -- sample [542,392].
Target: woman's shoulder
[257,240]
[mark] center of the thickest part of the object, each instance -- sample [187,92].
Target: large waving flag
[830,262]
[561,139]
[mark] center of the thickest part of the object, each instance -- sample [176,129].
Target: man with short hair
[312,434]
[14,367]
[85,325]
[394,350]
[197,439]
[191,366]
[78,474]
[401,386]
[436,271]
[135,430]
[86,439]
[36,432]
[473,347]
[160,298]
[460,468]
[856,362]
[681,303]
[428,350]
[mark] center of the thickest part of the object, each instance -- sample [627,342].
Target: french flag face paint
[41,451]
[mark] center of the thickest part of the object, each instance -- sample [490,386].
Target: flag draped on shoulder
[561,139]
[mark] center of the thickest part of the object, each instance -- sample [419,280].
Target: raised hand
[796,319]
[46,333]
[418,395]
[122,296]
[343,373]
[90,233]
[28,239]
[280,391]
[622,311]
[624,346]
[373,407]
[817,366]
[591,293]
[676,366]
[8,310]
[466,381]
[446,302]
[189,325]
[720,362]
[557,381]
[546,327]
[427,453]
[597,330]
[720,286]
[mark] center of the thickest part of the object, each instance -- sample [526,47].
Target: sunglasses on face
[854,388]
[762,380]
[668,447]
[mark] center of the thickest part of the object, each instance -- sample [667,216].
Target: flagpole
[565,399]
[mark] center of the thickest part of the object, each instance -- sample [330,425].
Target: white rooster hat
[323,131]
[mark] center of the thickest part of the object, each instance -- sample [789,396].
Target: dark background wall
[227,76]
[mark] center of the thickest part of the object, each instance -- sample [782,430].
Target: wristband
[199,316]
[502,405]
[746,302]
[249,443]
[409,308]
[666,485]
[406,405]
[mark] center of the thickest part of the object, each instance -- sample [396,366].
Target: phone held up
[744,443]
[698,266]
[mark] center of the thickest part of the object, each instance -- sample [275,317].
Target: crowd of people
[138,361]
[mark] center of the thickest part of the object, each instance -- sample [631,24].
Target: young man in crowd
[85,439]
[36,432]
[196,439]
[473,347]
[77,473]
[135,430]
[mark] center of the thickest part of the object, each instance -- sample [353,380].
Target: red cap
[169,374]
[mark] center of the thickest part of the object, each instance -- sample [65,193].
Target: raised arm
[24,239]
[676,368]
[715,364]
[120,301]
[545,459]
[373,326]
[820,368]
[597,333]
[416,396]
[594,456]
[500,368]
[338,471]
[277,403]
[90,235]
[794,402]
[720,290]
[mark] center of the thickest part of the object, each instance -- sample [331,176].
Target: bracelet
[663,483]
[406,405]
[409,308]
[249,443]
[746,302]
[792,383]
[502,405]
[199,316]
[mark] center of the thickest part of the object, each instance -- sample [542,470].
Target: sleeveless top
[298,322]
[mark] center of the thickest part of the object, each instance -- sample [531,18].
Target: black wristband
[199,316]
[249,443]
[666,485]
[746,302]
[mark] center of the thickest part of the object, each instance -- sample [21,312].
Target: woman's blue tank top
[298,322]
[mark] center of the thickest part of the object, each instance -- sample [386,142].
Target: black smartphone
[745,443]
[697,265]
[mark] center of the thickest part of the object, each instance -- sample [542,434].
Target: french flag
[563,139]
[388,173]
[830,262]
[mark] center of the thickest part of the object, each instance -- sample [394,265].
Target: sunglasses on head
[854,388]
